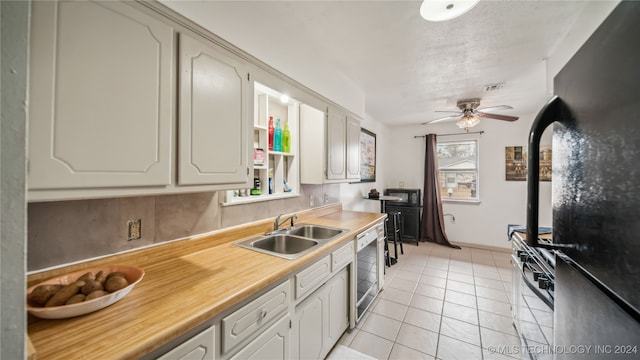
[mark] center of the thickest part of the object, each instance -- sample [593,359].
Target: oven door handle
[534,286]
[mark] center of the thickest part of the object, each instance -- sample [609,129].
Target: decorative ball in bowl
[82,292]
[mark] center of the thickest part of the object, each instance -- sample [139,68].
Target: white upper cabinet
[109,91]
[214,115]
[336,145]
[353,148]
[329,146]
[100,111]
[313,142]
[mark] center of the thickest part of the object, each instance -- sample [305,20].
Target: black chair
[393,228]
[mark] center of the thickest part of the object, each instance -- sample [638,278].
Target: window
[458,165]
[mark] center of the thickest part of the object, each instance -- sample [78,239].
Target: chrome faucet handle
[278,222]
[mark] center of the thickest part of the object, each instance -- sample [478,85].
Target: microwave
[408,197]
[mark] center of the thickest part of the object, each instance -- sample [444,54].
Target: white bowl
[132,274]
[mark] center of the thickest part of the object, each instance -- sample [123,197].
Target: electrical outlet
[134,229]
[311,200]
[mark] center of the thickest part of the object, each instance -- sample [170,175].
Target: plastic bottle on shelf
[286,138]
[277,137]
[271,131]
[270,181]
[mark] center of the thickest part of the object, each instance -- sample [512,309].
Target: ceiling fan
[469,114]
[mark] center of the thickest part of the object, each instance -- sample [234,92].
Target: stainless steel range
[533,298]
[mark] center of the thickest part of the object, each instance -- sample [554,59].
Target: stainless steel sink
[292,243]
[315,231]
[284,244]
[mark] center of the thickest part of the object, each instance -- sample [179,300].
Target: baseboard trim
[483,247]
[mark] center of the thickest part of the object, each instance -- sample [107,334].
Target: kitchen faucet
[278,222]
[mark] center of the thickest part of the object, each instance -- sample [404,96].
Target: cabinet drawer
[247,320]
[310,278]
[200,346]
[342,257]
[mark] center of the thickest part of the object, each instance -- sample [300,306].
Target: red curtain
[432,226]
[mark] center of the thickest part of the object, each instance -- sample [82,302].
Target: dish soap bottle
[286,138]
[271,133]
[277,137]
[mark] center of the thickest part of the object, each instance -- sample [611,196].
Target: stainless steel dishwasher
[367,265]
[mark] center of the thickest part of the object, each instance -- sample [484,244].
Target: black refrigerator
[595,192]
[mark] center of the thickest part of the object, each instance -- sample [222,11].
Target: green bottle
[286,138]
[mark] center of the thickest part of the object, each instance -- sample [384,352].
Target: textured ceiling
[407,67]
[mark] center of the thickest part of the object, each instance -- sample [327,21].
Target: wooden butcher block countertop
[186,283]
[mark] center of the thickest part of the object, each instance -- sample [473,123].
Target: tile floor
[439,303]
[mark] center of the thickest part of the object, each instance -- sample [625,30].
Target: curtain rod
[464,133]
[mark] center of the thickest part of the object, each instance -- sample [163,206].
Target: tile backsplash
[61,232]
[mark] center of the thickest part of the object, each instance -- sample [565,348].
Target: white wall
[501,202]
[221,18]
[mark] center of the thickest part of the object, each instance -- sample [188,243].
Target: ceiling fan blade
[497,116]
[494,108]
[449,111]
[441,119]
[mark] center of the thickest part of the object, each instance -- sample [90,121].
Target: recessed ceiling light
[441,10]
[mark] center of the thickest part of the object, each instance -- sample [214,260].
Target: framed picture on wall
[367,156]
[516,163]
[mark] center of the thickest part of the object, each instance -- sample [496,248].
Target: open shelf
[278,166]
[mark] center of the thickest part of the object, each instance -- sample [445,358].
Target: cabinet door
[353,148]
[214,116]
[272,344]
[321,319]
[199,347]
[336,148]
[338,308]
[100,96]
[311,327]
[312,145]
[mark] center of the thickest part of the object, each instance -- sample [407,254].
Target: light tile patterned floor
[439,303]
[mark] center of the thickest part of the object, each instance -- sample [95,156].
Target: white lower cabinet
[321,319]
[272,344]
[310,323]
[199,347]
[275,326]
[381,241]
[312,277]
[337,290]
[251,319]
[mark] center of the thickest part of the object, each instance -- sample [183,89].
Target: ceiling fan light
[467,121]
[442,10]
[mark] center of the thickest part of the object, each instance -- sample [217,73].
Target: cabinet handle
[263,314]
